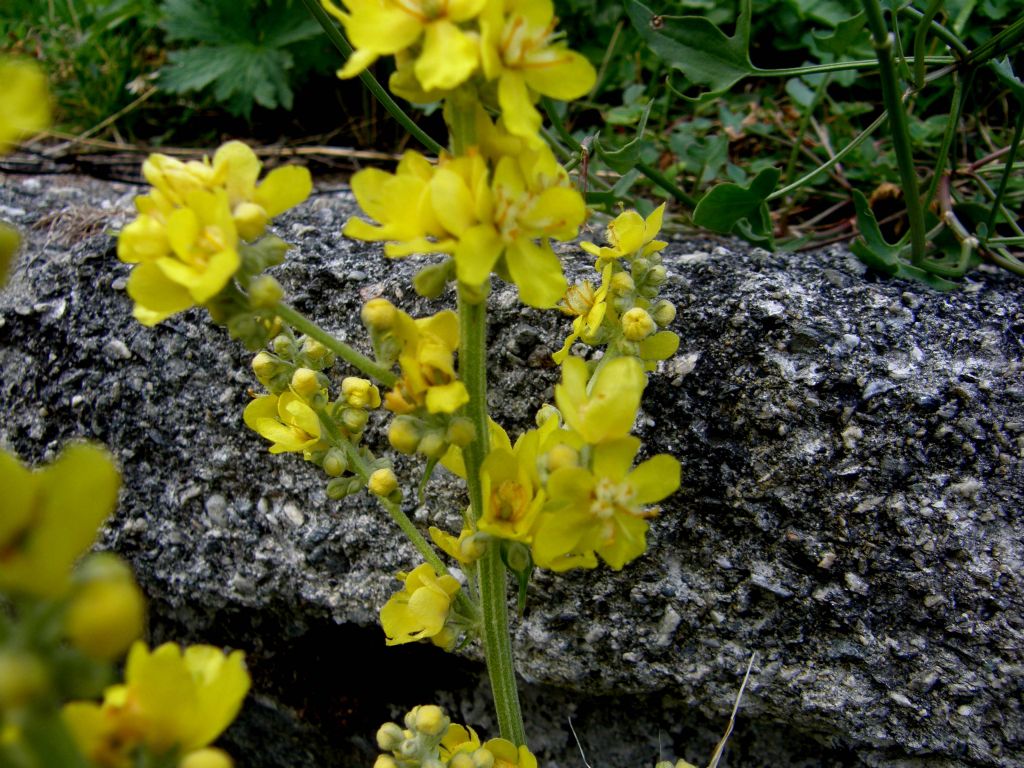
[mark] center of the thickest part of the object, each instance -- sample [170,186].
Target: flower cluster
[297,415]
[423,609]
[624,312]
[188,238]
[568,490]
[429,739]
[173,702]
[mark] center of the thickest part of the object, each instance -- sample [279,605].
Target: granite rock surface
[850,510]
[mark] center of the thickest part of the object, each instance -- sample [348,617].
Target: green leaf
[730,208]
[846,33]
[875,251]
[627,156]
[696,47]
[1004,73]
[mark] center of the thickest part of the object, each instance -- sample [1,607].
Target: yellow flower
[24,101]
[458,739]
[287,421]
[427,360]
[421,609]
[466,549]
[50,517]
[602,510]
[628,234]
[523,52]
[608,410]
[508,755]
[107,610]
[449,55]
[590,308]
[182,261]
[170,700]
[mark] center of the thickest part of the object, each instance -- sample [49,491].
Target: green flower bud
[461,432]
[339,488]
[637,324]
[664,312]
[461,760]
[516,556]
[483,758]
[433,445]
[409,749]
[335,463]
[265,292]
[404,434]
[382,482]
[306,382]
[379,315]
[317,355]
[265,366]
[430,281]
[656,275]
[431,720]
[472,548]
[390,737]
[354,419]
[284,346]
[23,678]
[622,282]
[546,412]
[640,265]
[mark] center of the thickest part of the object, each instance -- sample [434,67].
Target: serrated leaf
[846,33]
[727,206]
[696,47]
[627,156]
[200,21]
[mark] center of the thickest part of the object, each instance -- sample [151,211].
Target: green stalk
[998,44]
[1018,129]
[948,136]
[339,41]
[882,41]
[949,38]
[351,356]
[490,570]
[921,39]
[805,120]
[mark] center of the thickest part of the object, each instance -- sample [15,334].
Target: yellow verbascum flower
[608,410]
[448,55]
[51,516]
[589,307]
[24,101]
[630,234]
[421,609]
[508,755]
[487,221]
[522,51]
[287,421]
[171,699]
[602,511]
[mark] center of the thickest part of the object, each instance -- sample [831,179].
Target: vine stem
[353,357]
[493,582]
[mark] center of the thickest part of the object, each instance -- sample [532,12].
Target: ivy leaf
[627,156]
[730,208]
[874,250]
[696,47]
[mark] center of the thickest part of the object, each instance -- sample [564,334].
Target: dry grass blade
[720,749]
[578,743]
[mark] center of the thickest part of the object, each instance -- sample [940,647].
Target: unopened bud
[265,292]
[433,445]
[546,411]
[250,220]
[208,757]
[516,556]
[431,720]
[385,761]
[404,434]
[622,282]
[284,346]
[409,748]
[306,382]
[105,617]
[637,324]
[461,760]
[23,678]
[265,366]
[656,275]
[483,758]
[430,281]
[316,353]
[472,548]
[664,312]
[461,432]
[354,419]
[335,463]
[640,266]
[339,488]
[360,393]
[382,482]
[379,314]
[389,737]
[432,762]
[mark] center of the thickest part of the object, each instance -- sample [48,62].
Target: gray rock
[852,484]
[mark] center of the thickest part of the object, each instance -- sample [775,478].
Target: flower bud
[516,556]
[430,281]
[546,411]
[431,720]
[637,324]
[433,445]
[664,312]
[284,346]
[379,315]
[409,748]
[265,292]
[483,758]
[360,393]
[382,482]
[335,463]
[306,382]
[461,432]
[208,757]
[316,354]
[431,762]
[472,548]
[250,220]
[385,761]
[354,419]
[461,760]
[339,488]
[389,737]
[640,265]
[562,456]
[622,282]
[265,366]
[404,434]
[656,275]
[105,617]
[23,678]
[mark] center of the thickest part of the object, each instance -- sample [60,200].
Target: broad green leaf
[730,208]
[696,47]
[846,33]
[627,156]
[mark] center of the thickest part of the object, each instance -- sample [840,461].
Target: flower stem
[491,571]
[353,357]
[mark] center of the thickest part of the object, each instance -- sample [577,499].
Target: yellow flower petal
[448,59]
[284,188]
[537,273]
